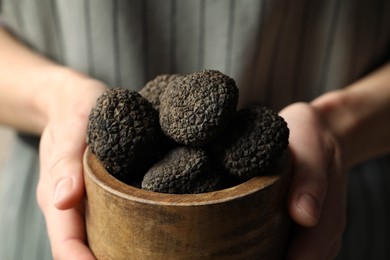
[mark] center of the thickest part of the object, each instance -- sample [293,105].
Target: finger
[307,191]
[322,240]
[62,150]
[66,228]
[63,143]
[67,234]
[309,184]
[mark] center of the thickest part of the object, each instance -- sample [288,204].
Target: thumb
[310,162]
[62,147]
[307,192]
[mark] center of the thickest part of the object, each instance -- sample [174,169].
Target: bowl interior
[97,173]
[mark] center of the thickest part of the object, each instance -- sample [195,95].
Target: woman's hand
[327,137]
[41,97]
[60,189]
[317,198]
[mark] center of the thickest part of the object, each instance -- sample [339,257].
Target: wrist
[66,92]
[358,116]
[331,110]
[338,110]
[49,89]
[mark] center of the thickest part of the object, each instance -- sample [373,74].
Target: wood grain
[248,221]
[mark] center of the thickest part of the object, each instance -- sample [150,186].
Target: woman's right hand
[60,189]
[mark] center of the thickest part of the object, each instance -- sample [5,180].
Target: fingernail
[63,188]
[309,206]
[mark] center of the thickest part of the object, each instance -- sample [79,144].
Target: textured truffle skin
[183,170]
[122,131]
[253,142]
[154,88]
[196,108]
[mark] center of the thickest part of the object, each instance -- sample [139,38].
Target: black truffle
[183,170]
[253,142]
[196,108]
[154,88]
[123,131]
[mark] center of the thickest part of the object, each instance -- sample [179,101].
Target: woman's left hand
[317,197]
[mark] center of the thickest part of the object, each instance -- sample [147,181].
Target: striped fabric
[368,232]
[278,51]
[22,227]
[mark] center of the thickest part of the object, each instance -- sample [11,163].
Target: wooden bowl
[248,221]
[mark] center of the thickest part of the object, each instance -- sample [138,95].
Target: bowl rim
[95,171]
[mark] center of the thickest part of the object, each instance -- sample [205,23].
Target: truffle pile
[182,134]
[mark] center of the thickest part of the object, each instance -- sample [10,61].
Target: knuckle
[56,162]
[40,196]
[321,181]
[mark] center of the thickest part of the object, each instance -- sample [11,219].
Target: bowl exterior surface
[248,221]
